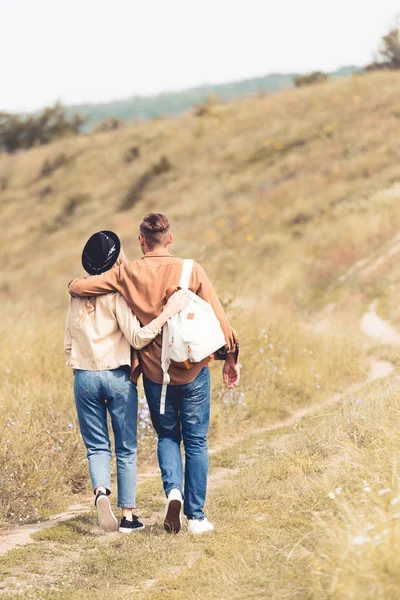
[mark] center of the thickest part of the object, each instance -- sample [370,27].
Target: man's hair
[155,230]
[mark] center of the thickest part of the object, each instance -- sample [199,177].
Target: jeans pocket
[81,383]
[120,380]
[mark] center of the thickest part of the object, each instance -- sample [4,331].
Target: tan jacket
[143,283]
[99,333]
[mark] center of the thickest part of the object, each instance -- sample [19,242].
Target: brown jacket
[143,284]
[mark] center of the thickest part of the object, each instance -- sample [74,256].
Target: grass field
[290,202]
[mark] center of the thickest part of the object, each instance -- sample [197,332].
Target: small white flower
[367,489]
[395,501]
[359,540]
[331,495]
[383,492]
[338,490]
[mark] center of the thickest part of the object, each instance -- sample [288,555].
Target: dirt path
[375,259]
[377,329]
[20,536]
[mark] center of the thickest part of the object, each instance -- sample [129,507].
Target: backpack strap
[165,362]
[186,274]
[184,282]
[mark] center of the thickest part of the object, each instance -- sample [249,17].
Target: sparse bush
[389,52]
[310,78]
[135,192]
[50,165]
[202,109]
[45,192]
[301,218]
[70,209]
[18,132]
[274,149]
[131,154]
[109,124]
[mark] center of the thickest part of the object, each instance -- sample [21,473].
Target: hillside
[265,181]
[175,103]
[290,202]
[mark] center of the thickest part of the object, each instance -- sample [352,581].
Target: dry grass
[310,512]
[285,367]
[288,201]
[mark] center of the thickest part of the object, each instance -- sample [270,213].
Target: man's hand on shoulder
[71,283]
[231,374]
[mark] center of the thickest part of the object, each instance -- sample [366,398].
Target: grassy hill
[175,103]
[290,202]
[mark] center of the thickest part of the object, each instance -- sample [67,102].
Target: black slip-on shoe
[129,526]
[107,520]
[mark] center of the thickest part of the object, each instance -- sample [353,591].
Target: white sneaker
[200,525]
[172,516]
[107,520]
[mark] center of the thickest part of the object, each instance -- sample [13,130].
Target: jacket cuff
[222,354]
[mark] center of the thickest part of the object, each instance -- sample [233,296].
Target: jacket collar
[157,253]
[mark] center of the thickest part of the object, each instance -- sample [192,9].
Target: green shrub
[389,52]
[310,78]
[19,132]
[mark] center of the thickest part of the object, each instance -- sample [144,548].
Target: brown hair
[155,229]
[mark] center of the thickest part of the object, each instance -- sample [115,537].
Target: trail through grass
[274,497]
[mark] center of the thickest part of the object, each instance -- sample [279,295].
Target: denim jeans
[97,392]
[187,415]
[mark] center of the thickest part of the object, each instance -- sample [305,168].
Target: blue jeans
[187,415]
[95,393]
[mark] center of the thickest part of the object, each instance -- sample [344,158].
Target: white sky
[93,50]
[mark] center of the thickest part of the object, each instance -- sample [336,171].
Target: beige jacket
[99,333]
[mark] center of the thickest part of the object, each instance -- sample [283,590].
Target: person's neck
[157,250]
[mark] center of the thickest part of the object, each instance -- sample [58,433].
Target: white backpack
[192,335]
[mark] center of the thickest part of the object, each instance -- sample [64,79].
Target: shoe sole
[172,519]
[125,530]
[107,520]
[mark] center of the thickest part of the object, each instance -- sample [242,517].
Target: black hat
[100,252]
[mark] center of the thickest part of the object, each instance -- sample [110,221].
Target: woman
[99,334]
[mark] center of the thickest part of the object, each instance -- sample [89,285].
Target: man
[143,284]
